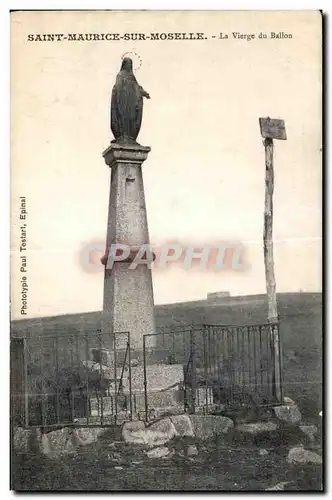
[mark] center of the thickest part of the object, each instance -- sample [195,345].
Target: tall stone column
[128,293]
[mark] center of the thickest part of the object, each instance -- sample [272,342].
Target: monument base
[155,389]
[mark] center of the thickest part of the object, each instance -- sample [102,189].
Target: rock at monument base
[183,425]
[159,452]
[278,487]
[86,436]
[299,456]
[257,427]
[157,438]
[192,450]
[57,443]
[289,414]
[309,430]
[208,426]
[131,431]
[165,427]
[26,440]
[20,440]
[288,401]
[157,434]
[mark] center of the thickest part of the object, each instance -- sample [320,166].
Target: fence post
[129,375]
[26,383]
[277,365]
[57,379]
[205,357]
[43,380]
[145,380]
[101,380]
[230,350]
[87,406]
[193,368]
[115,379]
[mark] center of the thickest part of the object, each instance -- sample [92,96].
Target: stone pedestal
[164,388]
[128,293]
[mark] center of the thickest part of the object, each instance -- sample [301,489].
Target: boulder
[257,427]
[192,450]
[85,436]
[113,456]
[57,443]
[20,440]
[183,425]
[156,434]
[208,426]
[289,414]
[159,452]
[288,401]
[163,428]
[300,456]
[132,430]
[115,444]
[278,487]
[309,430]
[164,425]
[26,440]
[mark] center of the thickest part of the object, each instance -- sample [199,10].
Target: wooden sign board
[272,128]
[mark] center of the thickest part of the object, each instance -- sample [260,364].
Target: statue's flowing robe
[126,106]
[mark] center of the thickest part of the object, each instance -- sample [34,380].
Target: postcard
[166,250]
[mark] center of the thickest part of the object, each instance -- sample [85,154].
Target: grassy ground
[107,466]
[216,467]
[232,470]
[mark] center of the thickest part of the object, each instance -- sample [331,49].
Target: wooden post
[271,129]
[268,233]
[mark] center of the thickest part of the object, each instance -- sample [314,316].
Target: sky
[205,175]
